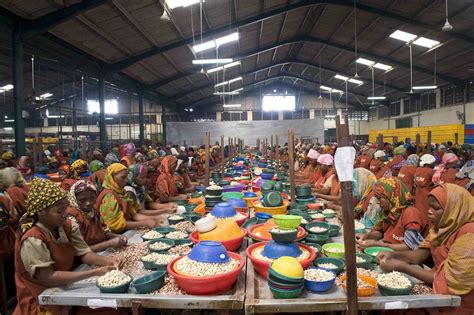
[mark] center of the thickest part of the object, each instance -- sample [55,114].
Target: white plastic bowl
[206,224]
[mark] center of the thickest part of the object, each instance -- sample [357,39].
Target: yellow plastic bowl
[250,201]
[258,207]
[288,266]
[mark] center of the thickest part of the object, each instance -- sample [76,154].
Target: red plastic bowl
[255,188]
[313,206]
[301,233]
[207,285]
[231,245]
[262,267]
[244,212]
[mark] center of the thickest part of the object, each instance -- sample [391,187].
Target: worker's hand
[183,196]
[149,223]
[172,206]
[389,265]
[103,270]
[368,243]
[361,237]
[118,241]
[385,255]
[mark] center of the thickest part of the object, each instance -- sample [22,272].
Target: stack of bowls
[272,199]
[286,278]
[216,177]
[213,197]
[303,191]
[223,210]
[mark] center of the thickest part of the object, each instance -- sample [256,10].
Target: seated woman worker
[166,188]
[182,176]
[45,251]
[446,172]
[449,243]
[377,163]
[82,198]
[394,165]
[137,175]
[79,169]
[407,172]
[117,210]
[325,162]
[367,206]
[399,225]
[98,173]
[365,157]
[14,186]
[311,172]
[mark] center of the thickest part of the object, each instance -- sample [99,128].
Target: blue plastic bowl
[276,250]
[249,194]
[322,286]
[209,252]
[239,168]
[266,176]
[237,203]
[201,188]
[263,215]
[223,210]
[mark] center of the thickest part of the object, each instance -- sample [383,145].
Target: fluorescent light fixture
[53,116]
[109,118]
[327,88]
[426,42]
[191,110]
[376,97]
[341,77]
[173,4]
[7,128]
[6,117]
[228,82]
[110,106]
[9,120]
[356,81]
[330,116]
[7,87]
[425,87]
[238,90]
[215,43]
[227,39]
[226,93]
[403,36]
[382,66]
[215,69]
[366,62]
[211,61]
[231,105]
[44,96]
[278,103]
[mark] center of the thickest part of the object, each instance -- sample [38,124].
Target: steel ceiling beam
[118,66]
[248,91]
[44,23]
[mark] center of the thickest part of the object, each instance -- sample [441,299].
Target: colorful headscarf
[10,176]
[77,168]
[140,158]
[96,165]
[135,171]
[379,154]
[152,154]
[412,160]
[111,158]
[78,187]
[165,166]
[130,149]
[66,168]
[8,156]
[396,192]
[43,194]
[447,159]
[109,182]
[326,159]
[363,182]
[22,162]
[399,150]
[313,154]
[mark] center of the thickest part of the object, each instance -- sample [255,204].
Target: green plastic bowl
[183,242]
[329,250]
[284,278]
[175,221]
[374,250]
[150,265]
[285,221]
[387,291]
[320,239]
[327,260]
[181,202]
[163,240]
[330,215]
[117,289]
[284,237]
[279,281]
[334,230]
[149,283]
[318,224]
[165,229]
[285,294]
[367,261]
[316,246]
[272,199]
[232,195]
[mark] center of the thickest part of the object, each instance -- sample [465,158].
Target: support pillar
[17,62]
[102,127]
[163,122]
[141,118]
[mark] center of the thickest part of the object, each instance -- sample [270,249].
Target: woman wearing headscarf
[129,157]
[465,176]
[14,186]
[394,165]
[112,157]
[166,188]
[82,198]
[98,173]
[365,157]
[117,210]
[8,225]
[311,171]
[9,157]
[98,155]
[77,170]
[377,163]
[407,172]
[137,175]
[323,184]
[446,172]
[367,206]
[182,176]
[424,184]
[24,166]
[451,245]
[47,247]
[399,225]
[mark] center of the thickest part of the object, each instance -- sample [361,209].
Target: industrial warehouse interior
[236,156]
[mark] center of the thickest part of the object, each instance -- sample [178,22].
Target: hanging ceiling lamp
[447,26]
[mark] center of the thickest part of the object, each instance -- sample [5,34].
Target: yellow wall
[441,133]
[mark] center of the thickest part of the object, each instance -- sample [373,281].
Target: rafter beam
[46,22]
[269,14]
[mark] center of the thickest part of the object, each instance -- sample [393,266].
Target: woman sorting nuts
[45,251]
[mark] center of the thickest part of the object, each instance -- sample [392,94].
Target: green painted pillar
[18,88]
[102,127]
[141,117]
